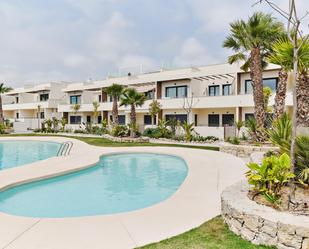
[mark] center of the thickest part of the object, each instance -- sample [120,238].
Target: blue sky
[74,40]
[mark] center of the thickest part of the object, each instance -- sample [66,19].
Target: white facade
[29,106]
[218,94]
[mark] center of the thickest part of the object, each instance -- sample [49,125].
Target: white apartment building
[218,96]
[29,106]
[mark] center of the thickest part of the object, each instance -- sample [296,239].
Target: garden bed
[261,224]
[127,139]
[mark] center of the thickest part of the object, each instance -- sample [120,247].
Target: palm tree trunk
[133,120]
[1,111]
[115,111]
[257,85]
[281,94]
[303,100]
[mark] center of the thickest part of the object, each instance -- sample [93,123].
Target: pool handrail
[65,148]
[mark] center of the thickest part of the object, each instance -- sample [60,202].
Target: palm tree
[283,55]
[134,99]
[115,91]
[3,89]
[252,41]
[276,58]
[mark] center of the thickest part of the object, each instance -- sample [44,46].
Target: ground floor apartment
[219,122]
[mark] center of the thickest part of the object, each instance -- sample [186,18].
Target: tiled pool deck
[196,201]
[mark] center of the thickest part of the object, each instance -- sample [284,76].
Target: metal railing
[65,149]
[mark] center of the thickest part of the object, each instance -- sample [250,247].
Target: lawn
[98,141]
[213,234]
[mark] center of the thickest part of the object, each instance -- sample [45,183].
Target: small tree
[188,129]
[154,110]
[75,108]
[115,91]
[239,124]
[96,112]
[188,104]
[63,122]
[55,123]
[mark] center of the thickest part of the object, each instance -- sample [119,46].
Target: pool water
[16,153]
[118,183]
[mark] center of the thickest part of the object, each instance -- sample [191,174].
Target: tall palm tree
[3,89]
[134,99]
[251,41]
[283,55]
[115,91]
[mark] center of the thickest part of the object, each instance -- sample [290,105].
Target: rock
[252,222]
[264,238]
[269,228]
[247,234]
[280,246]
[305,244]
[302,231]
[289,240]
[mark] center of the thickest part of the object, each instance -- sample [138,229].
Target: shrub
[302,158]
[233,140]
[80,131]
[189,129]
[120,131]
[164,131]
[2,129]
[280,133]
[269,177]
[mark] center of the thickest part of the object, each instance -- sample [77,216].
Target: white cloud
[193,53]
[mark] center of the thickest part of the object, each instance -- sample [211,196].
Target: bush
[302,158]
[157,133]
[120,131]
[80,131]
[269,177]
[2,129]
[233,140]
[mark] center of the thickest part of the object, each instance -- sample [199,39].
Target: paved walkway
[196,201]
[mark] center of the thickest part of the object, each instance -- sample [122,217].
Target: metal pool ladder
[65,148]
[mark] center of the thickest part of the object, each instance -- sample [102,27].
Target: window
[226,89]
[176,92]
[248,116]
[272,83]
[75,99]
[228,119]
[179,117]
[195,119]
[75,119]
[17,100]
[44,97]
[121,119]
[88,119]
[213,120]
[150,94]
[148,119]
[100,98]
[42,115]
[99,119]
[17,115]
[214,90]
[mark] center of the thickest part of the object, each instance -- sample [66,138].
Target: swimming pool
[16,153]
[118,183]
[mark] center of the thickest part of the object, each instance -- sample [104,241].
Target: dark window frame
[210,124]
[44,97]
[78,99]
[231,123]
[250,81]
[76,119]
[180,117]
[177,87]
[229,87]
[214,87]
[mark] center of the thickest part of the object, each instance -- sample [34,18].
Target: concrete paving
[196,201]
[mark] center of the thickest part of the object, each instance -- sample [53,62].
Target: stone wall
[260,224]
[244,151]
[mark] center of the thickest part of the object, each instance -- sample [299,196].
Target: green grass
[213,234]
[103,142]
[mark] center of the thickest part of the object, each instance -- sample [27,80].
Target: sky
[78,40]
